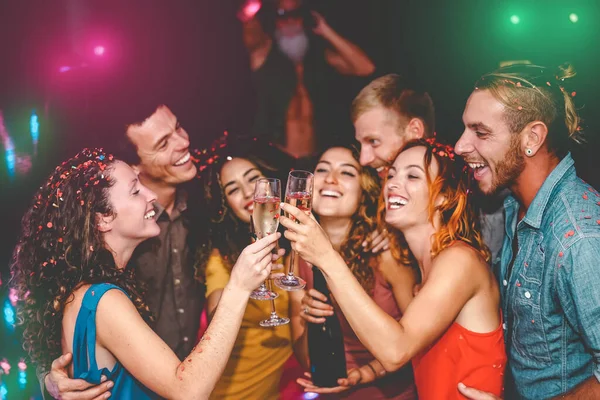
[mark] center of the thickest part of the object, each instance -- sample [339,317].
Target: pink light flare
[249,10]
[5,366]
[99,50]
[64,68]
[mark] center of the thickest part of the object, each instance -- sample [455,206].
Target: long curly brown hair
[459,219]
[226,232]
[364,221]
[60,248]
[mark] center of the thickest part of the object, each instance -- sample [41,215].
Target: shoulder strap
[84,341]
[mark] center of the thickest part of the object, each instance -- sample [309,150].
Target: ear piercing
[529,152]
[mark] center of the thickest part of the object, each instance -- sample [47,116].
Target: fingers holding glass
[264,221]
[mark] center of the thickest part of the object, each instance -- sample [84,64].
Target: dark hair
[60,248]
[125,149]
[364,222]
[533,93]
[227,233]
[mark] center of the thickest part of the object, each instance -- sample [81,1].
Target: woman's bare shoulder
[461,255]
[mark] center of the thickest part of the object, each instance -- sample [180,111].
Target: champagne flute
[298,193]
[264,221]
[274,319]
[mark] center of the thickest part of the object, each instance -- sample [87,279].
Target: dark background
[189,55]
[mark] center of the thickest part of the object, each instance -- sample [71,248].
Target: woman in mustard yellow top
[259,354]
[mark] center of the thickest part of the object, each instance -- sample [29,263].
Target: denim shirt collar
[535,212]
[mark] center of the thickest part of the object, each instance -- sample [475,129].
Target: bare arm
[257,42]
[401,278]
[153,363]
[212,302]
[217,276]
[426,318]
[346,57]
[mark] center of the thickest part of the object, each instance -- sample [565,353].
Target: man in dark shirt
[158,149]
[300,67]
[165,267]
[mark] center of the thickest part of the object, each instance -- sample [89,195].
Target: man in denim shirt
[519,122]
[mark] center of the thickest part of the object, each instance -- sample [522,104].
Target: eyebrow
[245,174]
[479,126]
[343,165]
[165,136]
[415,166]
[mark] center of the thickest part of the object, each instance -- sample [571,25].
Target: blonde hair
[392,93]
[533,93]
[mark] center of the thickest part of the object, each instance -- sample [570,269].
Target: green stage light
[515,19]
[573,17]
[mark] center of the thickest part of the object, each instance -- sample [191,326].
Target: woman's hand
[380,241]
[362,375]
[253,265]
[306,235]
[353,379]
[474,394]
[314,307]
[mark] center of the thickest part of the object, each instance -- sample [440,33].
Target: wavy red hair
[458,218]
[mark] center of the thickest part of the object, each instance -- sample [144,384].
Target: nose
[150,195]
[463,145]
[248,190]
[183,139]
[331,177]
[366,156]
[392,183]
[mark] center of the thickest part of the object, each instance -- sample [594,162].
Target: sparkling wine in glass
[265,220]
[298,193]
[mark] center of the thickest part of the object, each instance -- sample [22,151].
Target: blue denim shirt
[551,300]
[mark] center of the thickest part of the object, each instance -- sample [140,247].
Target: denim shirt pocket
[528,334]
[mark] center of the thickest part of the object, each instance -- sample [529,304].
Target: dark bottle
[326,343]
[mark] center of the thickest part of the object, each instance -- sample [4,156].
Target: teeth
[397,202]
[150,214]
[331,193]
[183,159]
[476,165]
[380,169]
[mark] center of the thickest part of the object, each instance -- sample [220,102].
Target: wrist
[236,290]
[328,33]
[330,262]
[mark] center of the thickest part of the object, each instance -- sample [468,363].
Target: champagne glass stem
[292,264]
[270,287]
